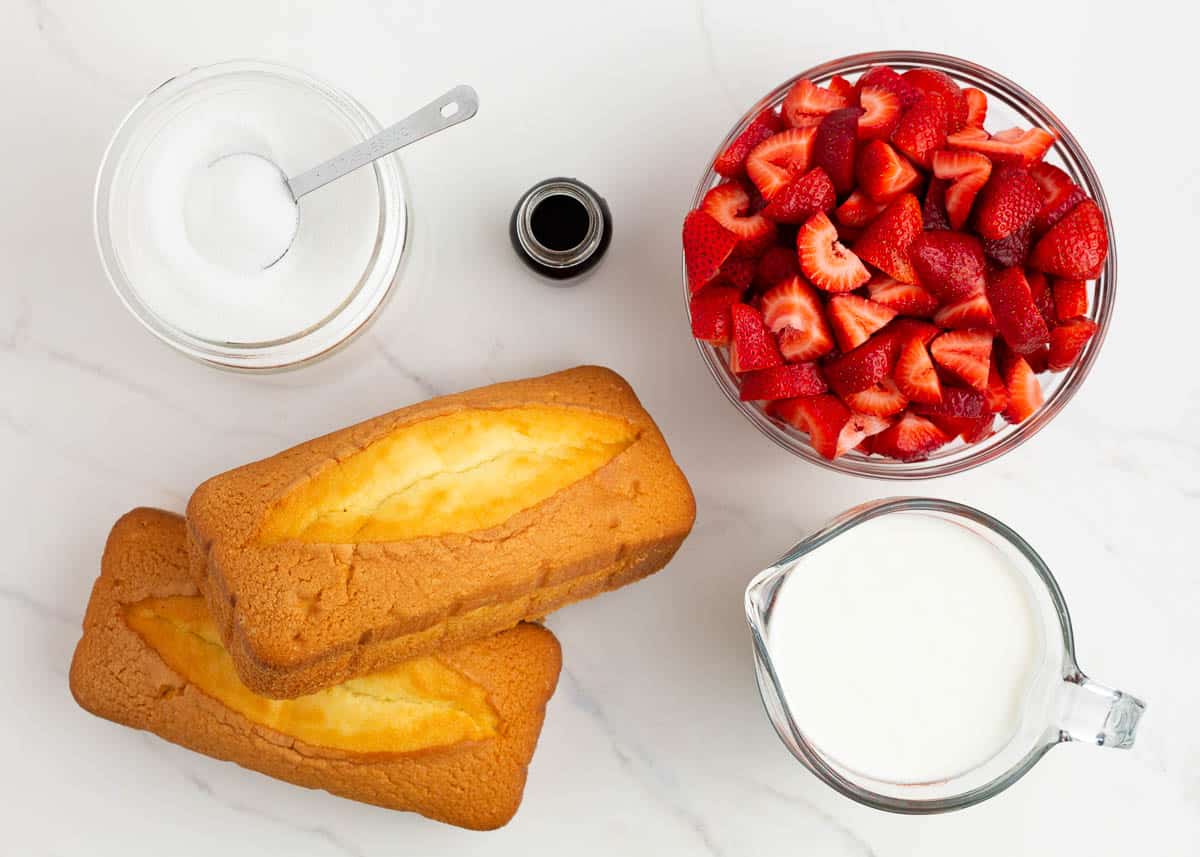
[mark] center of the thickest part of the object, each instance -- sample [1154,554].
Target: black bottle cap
[560,228]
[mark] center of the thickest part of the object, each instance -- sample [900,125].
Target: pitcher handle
[1094,713]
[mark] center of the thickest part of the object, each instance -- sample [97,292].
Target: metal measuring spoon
[457,105]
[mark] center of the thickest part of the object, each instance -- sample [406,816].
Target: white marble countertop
[655,742]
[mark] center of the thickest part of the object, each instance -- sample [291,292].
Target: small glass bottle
[560,228]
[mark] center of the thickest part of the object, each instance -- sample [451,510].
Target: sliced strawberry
[854,319]
[942,87]
[838,85]
[970,430]
[972,312]
[827,264]
[782,382]
[858,210]
[903,329]
[729,205]
[1076,246]
[882,400]
[864,367]
[821,417]
[957,403]
[914,373]
[966,354]
[801,198]
[1059,192]
[882,113]
[776,265]
[883,173]
[904,298]
[833,147]
[886,78]
[968,172]
[886,240]
[860,429]
[1070,299]
[933,208]
[1017,316]
[753,345]
[709,310]
[738,271]
[1023,147]
[996,395]
[793,310]
[922,130]
[1009,200]
[1024,391]
[1013,250]
[732,162]
[1043,298]
[706,246]
[1067,341]
[779,159]
[806,99]
[976,106]
[949,264]
[911,438]
[1038,359]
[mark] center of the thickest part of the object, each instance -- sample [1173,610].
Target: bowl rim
[958,457]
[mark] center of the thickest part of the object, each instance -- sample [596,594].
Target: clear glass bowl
[1008,105]
[365,291]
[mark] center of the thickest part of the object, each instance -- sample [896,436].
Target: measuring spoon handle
[428,120]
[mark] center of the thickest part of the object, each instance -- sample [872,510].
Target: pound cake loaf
[448,736]
[437,524]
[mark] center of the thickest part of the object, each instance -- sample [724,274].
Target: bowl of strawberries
[899,265]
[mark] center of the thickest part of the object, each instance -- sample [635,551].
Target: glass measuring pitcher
[1058,703]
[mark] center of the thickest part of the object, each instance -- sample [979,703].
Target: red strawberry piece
[1013,250]
[904,298]
[738,271]
[1076,246]
[793,310]
[732,162]
[776,265]
[882,400]
[1070,299]
[914,373]
[933,209]
[827,264]
[838,85]
[1067,341]
[782,382]
[779,159]
[885,78]
[911,438]
[1017,317]
[709,309]
[833,148]
[855,319]
[806,99]
[858,210]
[922,130]
[883,173]
[886,240]
[949,264]
[801,198]
[1009,200]
[882,113]
[1043,298]
[864,367]
[859,429]
[1016,146]
[903,329]
[970,430]
[976,106]
[972,312]
[821,417]
[729,205]
[941,86]
[996,395]
[964,353]
[706,246]
[1059,192]
[753,345]
[1024,391]
[968,172]
[956,402]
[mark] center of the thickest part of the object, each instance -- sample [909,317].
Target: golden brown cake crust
[299,616]
[116,675]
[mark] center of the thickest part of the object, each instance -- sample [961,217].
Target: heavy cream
[907,648]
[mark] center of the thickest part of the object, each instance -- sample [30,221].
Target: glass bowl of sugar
[209,256]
